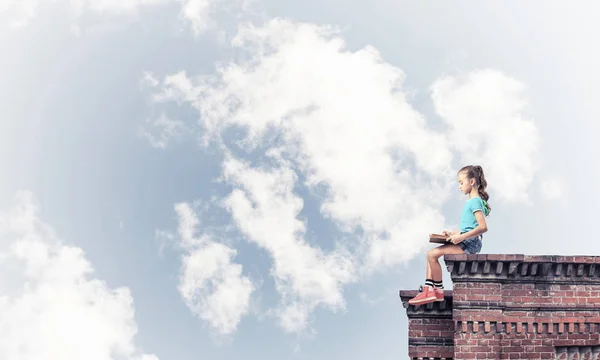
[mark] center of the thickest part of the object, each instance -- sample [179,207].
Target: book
[438,238]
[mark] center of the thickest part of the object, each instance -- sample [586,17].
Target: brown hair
[476,172]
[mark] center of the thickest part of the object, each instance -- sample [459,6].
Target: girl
[467,240]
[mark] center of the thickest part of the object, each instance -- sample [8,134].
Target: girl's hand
[455,239]
[447,233]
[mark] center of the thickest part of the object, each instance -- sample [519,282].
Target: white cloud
[486,111]
[50,307]
[339,124]
[198,13]
[202,15]
[162,131]
[211,284]
[551,189]
[265,209]
[346,125]
[19,12]
[115,6]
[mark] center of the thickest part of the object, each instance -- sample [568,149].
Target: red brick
[522,315]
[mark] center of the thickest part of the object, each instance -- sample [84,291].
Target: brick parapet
[518,306]
[438,309]
[511,307]
[431,327]
[523,268]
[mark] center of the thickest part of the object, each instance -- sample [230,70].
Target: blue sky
[256,179]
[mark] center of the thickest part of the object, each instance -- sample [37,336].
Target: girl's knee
[434,254]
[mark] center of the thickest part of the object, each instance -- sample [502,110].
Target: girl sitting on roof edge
[467,240]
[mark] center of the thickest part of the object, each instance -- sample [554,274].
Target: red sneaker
[427,295]
[439,294]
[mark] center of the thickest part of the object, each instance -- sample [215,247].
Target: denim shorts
[472,245]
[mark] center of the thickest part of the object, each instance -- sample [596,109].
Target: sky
[228,179]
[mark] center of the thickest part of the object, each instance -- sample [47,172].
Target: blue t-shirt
[468,221]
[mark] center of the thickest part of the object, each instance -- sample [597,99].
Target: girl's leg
[428,272]
[433,289]
[433,265]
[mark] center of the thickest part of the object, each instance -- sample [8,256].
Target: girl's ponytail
[481,185]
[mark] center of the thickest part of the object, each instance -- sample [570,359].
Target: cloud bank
[198,14]
[51,307]
[487,114]
[336,124]
[211,283]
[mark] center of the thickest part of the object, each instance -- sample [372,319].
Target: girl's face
[465,184]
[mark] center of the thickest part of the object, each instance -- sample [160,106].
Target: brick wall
[430,328]
[520,307]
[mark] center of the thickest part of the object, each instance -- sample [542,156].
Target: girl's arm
[481,226]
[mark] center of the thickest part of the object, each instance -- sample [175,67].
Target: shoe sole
[423,301]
